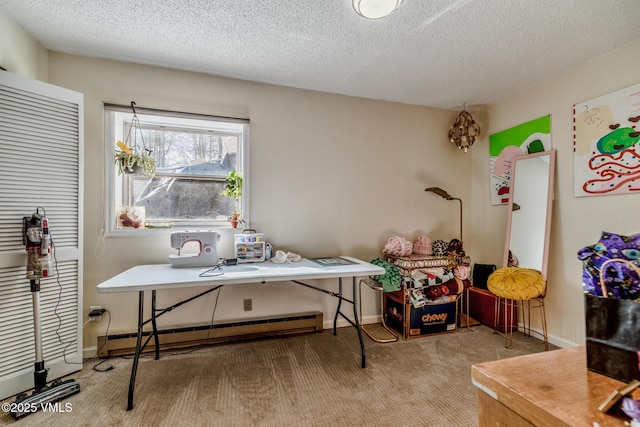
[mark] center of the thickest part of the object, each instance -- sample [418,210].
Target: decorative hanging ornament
[464,131]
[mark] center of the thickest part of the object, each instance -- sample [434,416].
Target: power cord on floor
[67,344]
[55,310]
[106,334]
[206,341]
[194,348]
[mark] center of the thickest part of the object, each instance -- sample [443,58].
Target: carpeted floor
[304,380]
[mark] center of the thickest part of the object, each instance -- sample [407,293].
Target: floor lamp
[441,193]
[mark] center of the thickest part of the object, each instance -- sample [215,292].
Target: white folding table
[157,277]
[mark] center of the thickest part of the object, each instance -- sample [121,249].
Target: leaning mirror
[529,219]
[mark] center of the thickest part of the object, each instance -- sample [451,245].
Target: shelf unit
[412,322]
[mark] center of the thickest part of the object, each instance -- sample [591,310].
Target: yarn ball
[517,283]
[461,272]
[423,246]
[440,248]
[455,248]
[398,246]
[391,279]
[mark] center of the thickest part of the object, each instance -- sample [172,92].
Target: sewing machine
[206,257]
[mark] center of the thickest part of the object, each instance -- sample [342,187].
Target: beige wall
[20,53]
[577,222]
[330,175]
[339,175]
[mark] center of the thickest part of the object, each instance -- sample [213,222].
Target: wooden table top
[551,388]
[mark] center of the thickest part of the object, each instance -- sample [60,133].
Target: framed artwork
[528,138]
[606,149]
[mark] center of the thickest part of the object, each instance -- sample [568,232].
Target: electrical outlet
[247,304]
[93,312]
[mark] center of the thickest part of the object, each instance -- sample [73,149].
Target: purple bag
[621,281]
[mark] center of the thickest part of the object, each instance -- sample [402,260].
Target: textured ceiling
[441,53]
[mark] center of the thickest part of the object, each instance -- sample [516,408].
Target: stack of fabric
[437,285]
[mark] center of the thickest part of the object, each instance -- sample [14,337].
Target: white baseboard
[89,352]
[341,323]
[558,342]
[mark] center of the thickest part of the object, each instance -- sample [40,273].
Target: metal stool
[376,286]
[512,285]
[526,319]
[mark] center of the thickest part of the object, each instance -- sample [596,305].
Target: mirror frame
[549,202]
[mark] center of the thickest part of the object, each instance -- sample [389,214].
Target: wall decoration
[530,137]
[606,148]
[464,131]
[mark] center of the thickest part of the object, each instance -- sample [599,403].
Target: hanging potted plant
[128,161]
[233,188]
[131,158]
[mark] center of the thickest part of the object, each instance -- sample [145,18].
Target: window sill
[146,232]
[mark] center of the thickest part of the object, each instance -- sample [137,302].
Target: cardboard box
[427,320]
[613,340]
[482,307]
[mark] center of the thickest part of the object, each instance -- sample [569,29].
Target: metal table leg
[339,296]
[134,368]
[363,356]
[355,323]
[154,324]
[155,313]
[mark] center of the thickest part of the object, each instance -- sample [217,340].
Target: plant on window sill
[129,161]
[233,188]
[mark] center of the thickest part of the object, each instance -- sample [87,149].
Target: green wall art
[527,138]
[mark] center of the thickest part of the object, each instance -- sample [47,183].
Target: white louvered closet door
[41,147]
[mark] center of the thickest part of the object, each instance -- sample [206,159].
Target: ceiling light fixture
[464,131]
[375,9]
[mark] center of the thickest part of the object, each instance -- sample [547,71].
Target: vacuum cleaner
[36,238]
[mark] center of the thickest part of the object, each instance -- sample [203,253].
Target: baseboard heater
[120,344]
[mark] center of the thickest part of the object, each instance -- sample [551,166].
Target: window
[193,154]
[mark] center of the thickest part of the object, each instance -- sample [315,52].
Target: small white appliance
[208,252]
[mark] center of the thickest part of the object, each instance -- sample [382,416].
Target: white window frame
[113,188]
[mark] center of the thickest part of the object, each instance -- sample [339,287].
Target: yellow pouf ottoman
[517,283]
